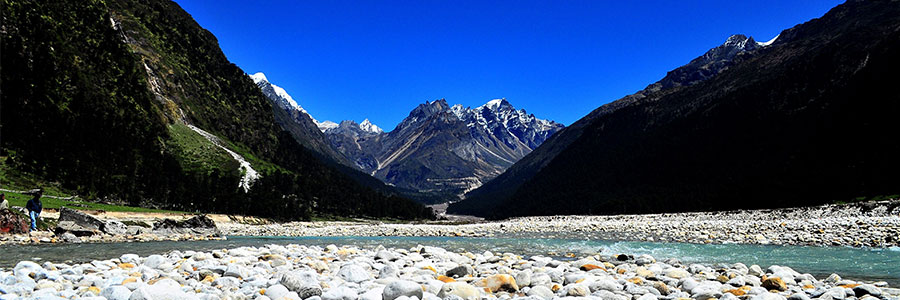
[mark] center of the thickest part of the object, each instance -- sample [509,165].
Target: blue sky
[557,59]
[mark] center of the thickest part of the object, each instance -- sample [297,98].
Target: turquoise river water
[852,263]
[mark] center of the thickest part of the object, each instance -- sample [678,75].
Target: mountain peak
[438,105]
[740,41]
[444,149]
[259,77]
[282,97]
[496,104]
[325,125]
[367,126]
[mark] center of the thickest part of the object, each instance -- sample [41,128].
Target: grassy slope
[16,199]
[196,153]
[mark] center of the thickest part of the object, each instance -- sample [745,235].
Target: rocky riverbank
[72,226]
[871,224]
[423,273]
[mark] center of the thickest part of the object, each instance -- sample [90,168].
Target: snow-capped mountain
[358,143]
[442,149]
[437,149]
[276,93]
[296,120]
[710,63]
[367,126]
[325,125]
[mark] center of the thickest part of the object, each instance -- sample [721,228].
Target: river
[851,263]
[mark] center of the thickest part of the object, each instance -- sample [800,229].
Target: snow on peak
[325,125]
[367,126]
[283,94]
[739,41]
[259,77]
[496,103]
[769,42]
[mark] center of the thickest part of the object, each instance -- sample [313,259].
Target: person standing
[4,205]
[34,207]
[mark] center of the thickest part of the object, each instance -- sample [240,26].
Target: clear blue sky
[359,59]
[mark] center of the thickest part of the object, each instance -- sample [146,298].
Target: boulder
[155,260]
[165,289]
[114,227]
[541,292]
[385,255]
[388,271]
[501,282]
[13,223]
[340,293]
[80,219]
[353,273]
[578,290]
[774,283]
[402,288]
[605,284]
[237,271]
[755,270]
[867,289]
[116,292]
[461,290]
[460,271]
[276,291]
[70,227]
[68,237]
[197,225]
[523,278]
[305,284]
[136,230]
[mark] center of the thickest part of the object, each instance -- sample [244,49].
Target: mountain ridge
[482,141]
[777,128]
[705,66]
[414,157]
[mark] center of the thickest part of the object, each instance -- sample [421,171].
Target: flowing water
[851,263]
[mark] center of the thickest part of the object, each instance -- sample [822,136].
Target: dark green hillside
[808,120]
[96,95]
[75,107]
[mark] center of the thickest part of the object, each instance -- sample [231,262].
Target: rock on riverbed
[420,273]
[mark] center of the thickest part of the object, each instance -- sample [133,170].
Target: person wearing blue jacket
[34,207]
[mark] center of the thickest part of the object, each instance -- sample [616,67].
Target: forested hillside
[807,120]
[98,96]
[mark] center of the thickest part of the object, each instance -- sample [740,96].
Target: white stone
[353,273]
[340,293]
[116,292]
[402,288]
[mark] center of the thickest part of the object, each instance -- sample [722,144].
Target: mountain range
[443,149]
[807,118]
[133,102]
[435,154]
